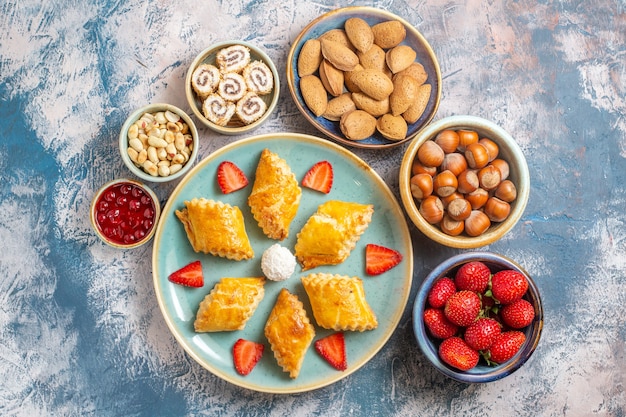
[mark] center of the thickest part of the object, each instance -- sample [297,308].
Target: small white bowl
[235,126]
[153,109]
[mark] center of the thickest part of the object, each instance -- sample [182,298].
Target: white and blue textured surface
[80,330]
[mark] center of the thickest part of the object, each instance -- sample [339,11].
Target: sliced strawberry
[189,275]
[333,349]
[230,177]
[379,259]
[319,177]
[246,354]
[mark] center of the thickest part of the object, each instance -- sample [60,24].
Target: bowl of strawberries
[478,317]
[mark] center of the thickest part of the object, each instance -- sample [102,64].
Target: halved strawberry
[333,349]
[189,275]
[319,177]
[379,259]
[246,354]
[230,177]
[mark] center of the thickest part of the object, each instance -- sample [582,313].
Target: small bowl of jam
[124,213]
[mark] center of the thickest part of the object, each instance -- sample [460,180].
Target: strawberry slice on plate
[333,349]
[379,259]
[230,177]
[189,275]
[319,177]
[246,354]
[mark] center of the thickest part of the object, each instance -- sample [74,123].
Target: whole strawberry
[508,286]
[518,314]
[439,293]
[482,333]
[506,345]
[473,276]
[438,325]
[456,353]
[462,308]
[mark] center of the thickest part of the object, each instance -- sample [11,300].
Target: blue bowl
[335,20]
[481,373]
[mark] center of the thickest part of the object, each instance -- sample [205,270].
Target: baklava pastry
[229,305]
[289,332]
[275,196]
[338,302]
[331,233]
[216,228]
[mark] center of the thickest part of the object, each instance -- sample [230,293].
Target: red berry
[473,276]
[380,259]
[439,293]
[333,349]
[438,325]
[518,314]
[456,353]
[246,354]
[508,286]
[506,345]
[462,308]
[189,275]
[481,334]
[230,177]
[319,177]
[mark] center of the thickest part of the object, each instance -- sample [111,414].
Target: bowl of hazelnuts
[464,182]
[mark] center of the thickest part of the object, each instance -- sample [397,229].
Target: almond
[339,55]
[357,125]
[314,94]
[338,106]
[359,33]
[392,127]
[373,82]
[404,93]
[417,71]
[347,79]
[415,111]
[374,107]
[389,34]
[310,57]
[339,36]
[400,57]
[331,78]
[373,58]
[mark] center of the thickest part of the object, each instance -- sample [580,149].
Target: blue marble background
[80,330]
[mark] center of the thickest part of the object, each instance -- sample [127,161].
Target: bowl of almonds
[158,142]
[364,77]
[464,182]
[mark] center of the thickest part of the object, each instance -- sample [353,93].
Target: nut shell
[339,55]
[392,127]
[389,34]
[400,57]
[314,94]
[338,106]
[357,125]
[415,110]
[405,89]
[310,57]
[373,82]
[359,33]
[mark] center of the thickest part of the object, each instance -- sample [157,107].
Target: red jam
[125,213]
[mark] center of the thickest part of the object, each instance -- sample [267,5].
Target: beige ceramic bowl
[509,151]
[336,20]
[191,151]
[235,126]
[124,213]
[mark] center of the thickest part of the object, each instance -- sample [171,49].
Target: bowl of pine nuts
[159,142]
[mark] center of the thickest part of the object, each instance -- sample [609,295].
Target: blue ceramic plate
[335,20]
[354,181]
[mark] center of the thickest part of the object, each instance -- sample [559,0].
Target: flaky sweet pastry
[275,195]
[289,332]
[331,233]
[338,302]
[229,305]
[216,228]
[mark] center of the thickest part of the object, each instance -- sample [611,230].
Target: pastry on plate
[216,228]
[338,302]
[275,195]
[289,332]
[331,233]
[229,305]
